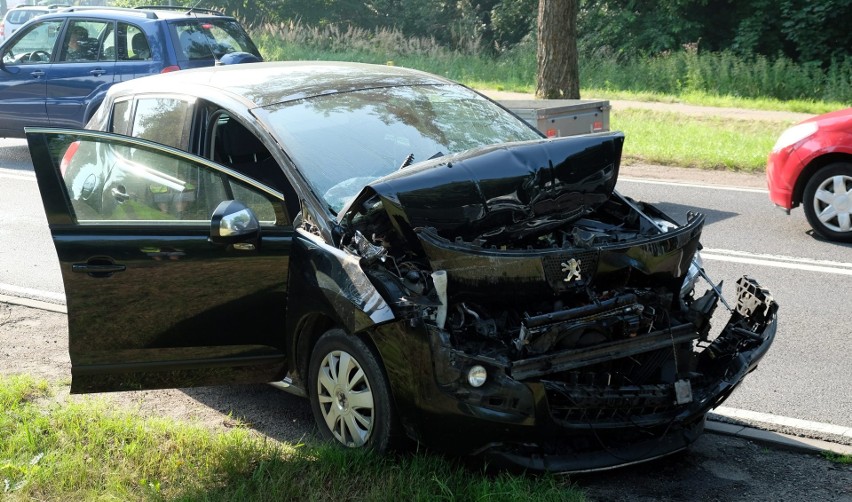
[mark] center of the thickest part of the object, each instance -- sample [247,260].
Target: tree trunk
[558,69]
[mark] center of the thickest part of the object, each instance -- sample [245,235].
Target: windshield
[341,142]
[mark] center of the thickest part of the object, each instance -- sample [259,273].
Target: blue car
[56,69]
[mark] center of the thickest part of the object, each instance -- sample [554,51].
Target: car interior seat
[239,149]
[139,45]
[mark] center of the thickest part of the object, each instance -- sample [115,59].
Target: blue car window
[132,43]
[35,45]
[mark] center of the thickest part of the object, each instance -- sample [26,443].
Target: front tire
[350,396]
[828,202]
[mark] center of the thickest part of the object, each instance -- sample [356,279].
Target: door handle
[37,74]
[98,268]
[120,194]
[97,72]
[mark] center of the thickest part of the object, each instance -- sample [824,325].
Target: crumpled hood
[502,192]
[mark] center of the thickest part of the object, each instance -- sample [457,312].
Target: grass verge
[838,458]
[87,451]
[702,142]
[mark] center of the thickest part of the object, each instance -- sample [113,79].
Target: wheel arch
[92,107]
[814,166]
[311,327]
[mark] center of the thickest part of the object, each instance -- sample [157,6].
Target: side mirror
[234,223]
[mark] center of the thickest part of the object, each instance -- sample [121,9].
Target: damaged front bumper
[568,411]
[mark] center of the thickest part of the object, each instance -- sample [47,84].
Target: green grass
[702,142]
[88,450]
[837,458]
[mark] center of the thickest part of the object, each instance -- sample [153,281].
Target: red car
[811,164]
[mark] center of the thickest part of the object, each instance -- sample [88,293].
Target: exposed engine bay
[570,285]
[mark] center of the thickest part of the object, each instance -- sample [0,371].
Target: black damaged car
[417,261]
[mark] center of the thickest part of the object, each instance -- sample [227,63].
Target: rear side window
[205,39]
[163,120]
[121,117]
[132,43]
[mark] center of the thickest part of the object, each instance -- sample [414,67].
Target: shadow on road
[270,411]
[679,211]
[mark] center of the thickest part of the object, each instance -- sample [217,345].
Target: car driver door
[170,281]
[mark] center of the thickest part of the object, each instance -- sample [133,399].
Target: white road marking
[17,175]
[789,262]
[13,290]
[795,423]
[692,185]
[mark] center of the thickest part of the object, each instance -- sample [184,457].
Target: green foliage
[702,142]
[87,450]
[798,30]
[720,73]
[837,457]
[686,72]
[801,30]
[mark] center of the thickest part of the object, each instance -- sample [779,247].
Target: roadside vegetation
[838,458]
[654,137]
[703,142]
[686,75]
[87,450]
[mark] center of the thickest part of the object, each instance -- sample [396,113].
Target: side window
[82,40]
[134,43]
[163,120]
[121,117]
[34,46]
[235,146]
[110,182]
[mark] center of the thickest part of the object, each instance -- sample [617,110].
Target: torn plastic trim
[572,359]
[723,365]
[534,457]
[341,278]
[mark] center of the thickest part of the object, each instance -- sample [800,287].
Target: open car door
[175,268]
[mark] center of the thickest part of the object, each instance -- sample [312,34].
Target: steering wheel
[39,56]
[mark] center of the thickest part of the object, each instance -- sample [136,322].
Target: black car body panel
[501,193]
[521,308]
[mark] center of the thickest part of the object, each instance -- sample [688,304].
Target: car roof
[44,8]
[262,84]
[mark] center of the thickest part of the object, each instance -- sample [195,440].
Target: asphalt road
[804,375]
